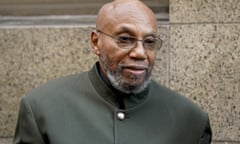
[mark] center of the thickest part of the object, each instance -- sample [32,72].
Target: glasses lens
[151,43]
[126,42]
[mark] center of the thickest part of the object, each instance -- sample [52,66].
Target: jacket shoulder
[56,87]
[175,100]
[182,111]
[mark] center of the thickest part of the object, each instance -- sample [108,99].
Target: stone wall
[204,60]
[63,7]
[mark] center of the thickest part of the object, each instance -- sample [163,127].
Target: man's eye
[150,41]
[126,39]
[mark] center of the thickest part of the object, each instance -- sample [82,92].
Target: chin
[128,86]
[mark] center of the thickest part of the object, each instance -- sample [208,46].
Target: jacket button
[120,115]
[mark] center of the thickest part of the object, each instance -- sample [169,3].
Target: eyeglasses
[129,42]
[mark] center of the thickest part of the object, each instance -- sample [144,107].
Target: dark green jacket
[81,109]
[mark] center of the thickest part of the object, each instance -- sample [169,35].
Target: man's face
[128,70]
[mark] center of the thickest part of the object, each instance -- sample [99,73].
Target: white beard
[116,81]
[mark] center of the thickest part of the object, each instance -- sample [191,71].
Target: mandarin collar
[116,98]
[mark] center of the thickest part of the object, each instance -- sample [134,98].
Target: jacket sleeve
[27,131]
[206,137]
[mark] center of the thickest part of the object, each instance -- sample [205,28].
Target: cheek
[111,57]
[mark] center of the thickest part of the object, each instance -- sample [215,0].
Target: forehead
[128,16]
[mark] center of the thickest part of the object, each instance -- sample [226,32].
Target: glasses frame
[116,38]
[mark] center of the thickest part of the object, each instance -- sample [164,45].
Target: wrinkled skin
[128,70]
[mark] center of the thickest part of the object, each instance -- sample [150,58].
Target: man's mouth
[134,69]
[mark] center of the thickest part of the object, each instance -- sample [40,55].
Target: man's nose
[138,52]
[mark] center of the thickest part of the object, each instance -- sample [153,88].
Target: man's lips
[135,69]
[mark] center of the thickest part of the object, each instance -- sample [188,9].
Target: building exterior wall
[200,59]
[204,60]
[63,7]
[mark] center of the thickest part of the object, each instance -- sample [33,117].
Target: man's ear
[95,42]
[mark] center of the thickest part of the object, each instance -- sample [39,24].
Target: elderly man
[116,102]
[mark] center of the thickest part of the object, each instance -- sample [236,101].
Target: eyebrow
[127,29]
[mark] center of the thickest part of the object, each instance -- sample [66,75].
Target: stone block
[204,11]
[204,66]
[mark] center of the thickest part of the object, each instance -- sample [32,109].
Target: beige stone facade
[204,60]
[200,59]
[64,7]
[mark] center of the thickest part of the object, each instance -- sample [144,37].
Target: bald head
[122,10]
